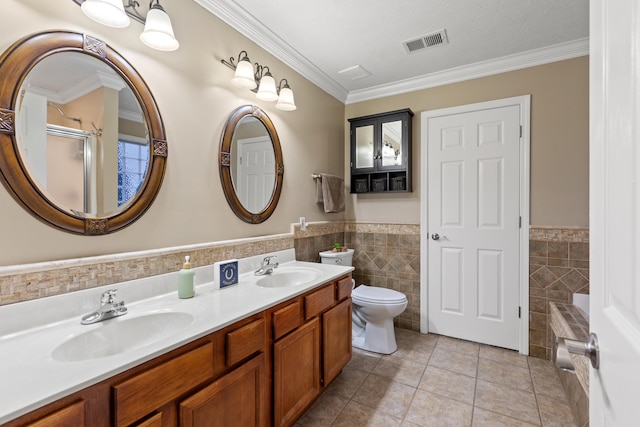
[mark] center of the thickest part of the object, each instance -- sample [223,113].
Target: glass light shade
[158,32]
[285,100]
[106,12]
[243,76]
[267,90]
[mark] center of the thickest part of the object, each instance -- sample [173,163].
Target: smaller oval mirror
[250,163]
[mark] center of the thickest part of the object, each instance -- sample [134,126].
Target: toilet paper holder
[567,346]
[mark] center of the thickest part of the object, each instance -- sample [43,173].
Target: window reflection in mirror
[253,169]
[392,143]
[81,135]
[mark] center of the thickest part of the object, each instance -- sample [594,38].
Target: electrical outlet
[303,223]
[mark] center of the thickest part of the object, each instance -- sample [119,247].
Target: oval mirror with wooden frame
[82,143]
[250,164]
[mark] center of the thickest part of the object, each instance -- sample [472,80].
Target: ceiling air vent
[430,40]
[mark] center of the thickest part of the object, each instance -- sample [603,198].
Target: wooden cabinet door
[236,399]
[296,372]
[336,339]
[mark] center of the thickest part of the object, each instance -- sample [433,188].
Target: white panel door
[614,199]
[256,173]
[473,225]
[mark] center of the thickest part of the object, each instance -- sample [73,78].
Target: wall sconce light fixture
[260,81]
[158,32]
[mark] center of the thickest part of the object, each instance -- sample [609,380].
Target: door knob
[587,348]
[435,236]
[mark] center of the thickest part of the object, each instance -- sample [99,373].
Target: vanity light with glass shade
[285,99]
[267,89]
[243,77]
[158,31]
[260,81]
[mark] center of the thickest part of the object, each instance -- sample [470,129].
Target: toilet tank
[338,258]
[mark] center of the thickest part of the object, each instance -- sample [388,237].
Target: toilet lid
[375,294]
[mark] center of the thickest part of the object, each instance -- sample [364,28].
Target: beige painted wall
[559,140]
[194,96]
[193,93]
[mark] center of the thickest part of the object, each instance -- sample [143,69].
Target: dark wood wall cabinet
[381,152]
[264,370]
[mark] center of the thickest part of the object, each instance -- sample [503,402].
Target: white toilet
[373,310]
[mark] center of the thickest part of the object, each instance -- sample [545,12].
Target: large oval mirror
[250,162]
[83,146]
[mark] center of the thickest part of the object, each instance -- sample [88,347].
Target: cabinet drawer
[287,319]
[318,301]
[148,391]
[245,341]
[72,415]
[343,288]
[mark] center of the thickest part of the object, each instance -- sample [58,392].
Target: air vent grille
[437,38]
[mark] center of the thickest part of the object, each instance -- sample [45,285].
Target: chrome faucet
[108,308]
[266,267]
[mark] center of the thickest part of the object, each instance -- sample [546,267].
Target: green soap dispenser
[185,280]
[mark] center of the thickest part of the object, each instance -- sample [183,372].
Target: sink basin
[284,277]
[121,334]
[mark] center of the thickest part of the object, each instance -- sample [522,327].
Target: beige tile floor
[433,380]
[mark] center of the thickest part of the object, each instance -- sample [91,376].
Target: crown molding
[236,17]
[504,64]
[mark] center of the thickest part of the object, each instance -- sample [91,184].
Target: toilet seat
[376,295]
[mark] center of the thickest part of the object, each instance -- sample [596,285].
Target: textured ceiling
[319,39]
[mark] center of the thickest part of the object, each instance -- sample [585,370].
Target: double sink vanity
[256,353]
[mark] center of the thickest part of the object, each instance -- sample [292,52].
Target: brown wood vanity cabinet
[312,343]
[220,379]
[263,370]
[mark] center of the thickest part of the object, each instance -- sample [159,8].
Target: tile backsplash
[31,281]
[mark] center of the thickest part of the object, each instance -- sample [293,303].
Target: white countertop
[29,331]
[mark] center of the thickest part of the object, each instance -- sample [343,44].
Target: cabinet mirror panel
[391,143]
[364,147]
[250,161]
[83,146]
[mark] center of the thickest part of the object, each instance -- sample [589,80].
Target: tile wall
[386,255]
[558,267]
[318,237]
